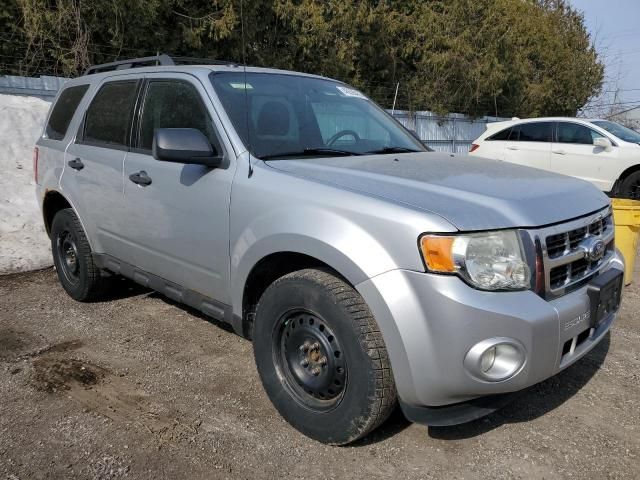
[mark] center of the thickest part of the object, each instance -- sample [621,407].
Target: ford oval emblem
[593,249]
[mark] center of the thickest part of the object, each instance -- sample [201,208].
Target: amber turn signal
[437,254]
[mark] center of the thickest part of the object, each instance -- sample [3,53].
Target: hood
[470,192]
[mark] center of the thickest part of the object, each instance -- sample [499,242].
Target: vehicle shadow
[120,288]
[192,311]
[536,401]
[395,424]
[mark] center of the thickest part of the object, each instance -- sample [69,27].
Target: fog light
[487,359]
[495,359]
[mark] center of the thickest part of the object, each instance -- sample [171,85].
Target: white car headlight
[488,260]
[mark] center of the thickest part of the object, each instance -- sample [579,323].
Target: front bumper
[429,323]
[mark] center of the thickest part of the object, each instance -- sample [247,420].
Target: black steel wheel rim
[634,191]
[68,255]
[310,360]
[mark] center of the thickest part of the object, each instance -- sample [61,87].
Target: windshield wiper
[308,152]
[394,150]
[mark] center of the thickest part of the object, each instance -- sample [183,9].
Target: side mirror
[604,143]
[184,145]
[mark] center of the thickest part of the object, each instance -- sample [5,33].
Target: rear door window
[63,111]
[534,132]
[108,118]
[173,104]
[576,133]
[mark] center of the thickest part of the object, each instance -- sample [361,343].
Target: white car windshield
[293,116]
[620,131]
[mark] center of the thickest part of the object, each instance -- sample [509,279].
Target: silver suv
[367,270]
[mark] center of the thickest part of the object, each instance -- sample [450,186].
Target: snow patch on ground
[24,245]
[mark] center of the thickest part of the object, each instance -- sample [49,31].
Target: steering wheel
[343,133]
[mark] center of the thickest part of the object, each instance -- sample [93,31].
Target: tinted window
[173,104]
[109,114]
[63,111]
[576,133]
[535,132]
[502,135]
[619,131]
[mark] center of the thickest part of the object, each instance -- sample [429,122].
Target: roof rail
[200,61]
[160,59]
[130,63]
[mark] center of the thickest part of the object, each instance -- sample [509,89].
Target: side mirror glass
[603,142]
[184,145]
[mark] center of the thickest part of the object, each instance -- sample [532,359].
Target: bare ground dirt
[137,387]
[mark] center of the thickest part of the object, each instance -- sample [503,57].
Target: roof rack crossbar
[161,59]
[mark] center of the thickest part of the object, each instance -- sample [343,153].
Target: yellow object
[626,217]
[436,251]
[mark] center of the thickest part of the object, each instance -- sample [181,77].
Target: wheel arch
[621,178]
[267,270]
[52,203]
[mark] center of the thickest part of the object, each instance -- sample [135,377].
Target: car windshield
[619,131]
[293,116]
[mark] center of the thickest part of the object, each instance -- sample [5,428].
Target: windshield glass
[619,131]
[294,116]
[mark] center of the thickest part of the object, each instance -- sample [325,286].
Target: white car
[599,151]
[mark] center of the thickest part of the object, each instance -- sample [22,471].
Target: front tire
[77,272]
[321,357]
[630,186]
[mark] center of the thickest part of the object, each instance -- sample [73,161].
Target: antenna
[246,95]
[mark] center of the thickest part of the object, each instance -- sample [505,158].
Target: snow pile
[24,245]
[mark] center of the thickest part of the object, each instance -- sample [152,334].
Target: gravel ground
[137,387]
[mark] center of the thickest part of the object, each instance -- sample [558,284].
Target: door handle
[512,148]
[140,178]
[559,152]
[76,164]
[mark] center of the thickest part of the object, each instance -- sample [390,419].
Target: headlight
[488,261]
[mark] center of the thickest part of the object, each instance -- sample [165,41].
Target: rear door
[94,162]
[529,144]
[177,227]
[573,153]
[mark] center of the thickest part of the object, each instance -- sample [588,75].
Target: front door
[178,224]
[573,153]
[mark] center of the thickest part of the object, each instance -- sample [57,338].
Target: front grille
[565,263]
[577,270]
[561,243]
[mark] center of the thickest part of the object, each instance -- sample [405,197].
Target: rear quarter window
[501,135]
[63,111]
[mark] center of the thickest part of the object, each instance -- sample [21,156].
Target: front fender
[334,240]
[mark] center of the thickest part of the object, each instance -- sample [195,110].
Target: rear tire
[321,357]
[630,186]
[77,272]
